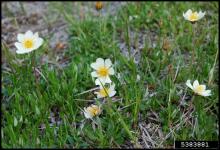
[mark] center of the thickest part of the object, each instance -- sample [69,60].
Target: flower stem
[112,110]
[191,102]
[193,42]
[127,36]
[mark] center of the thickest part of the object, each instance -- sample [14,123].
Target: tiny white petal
[108,63]
[94,74]
[112,93]
[201,15]
[111,71]
[38,43]
[98,82]
[195,84]
[28,34]
[35,35]
[112,86]
[94,66]
[189,12]
[20,37]
[19,46]
[108,80]
[189,84]
[21,52]
[102,79]
[206,93]
[99,63]
[185,16]
[87,115]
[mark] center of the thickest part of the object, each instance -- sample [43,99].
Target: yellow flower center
[93,110]
[194,16]
[28,43]
[102,71]
[199,89]
[104,92]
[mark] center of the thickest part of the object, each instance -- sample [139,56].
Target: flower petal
[206,93]
[23,51]
[201,14]
[111,71]
[108,80]
[195,84]
[104,80]
[108,63]
[99,63]
[94,74]
[38,43]
[112,87]
[87,114]
[28,34]
[189,84]
[20,37]
[111,93]
[189,12]
[19,46]
[20,52]
[98,82]
[185,16]
[98,94]
[36,35]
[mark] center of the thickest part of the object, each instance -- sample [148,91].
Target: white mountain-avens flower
[92,111]
[28,42]
[103,69]
[198,88]
[105,91]
[193,16]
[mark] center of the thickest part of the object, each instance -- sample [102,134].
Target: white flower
[198,89]
[132,17]
[92,111]
[106,91]
[102,70]
[138,77]
[193,16]
[28,42]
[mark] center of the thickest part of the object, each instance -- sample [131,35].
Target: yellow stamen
[28,43]
[104,92]
[194,16]
[93,110]
[199,89]
[102,71]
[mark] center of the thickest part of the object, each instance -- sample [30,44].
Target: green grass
[27,101]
